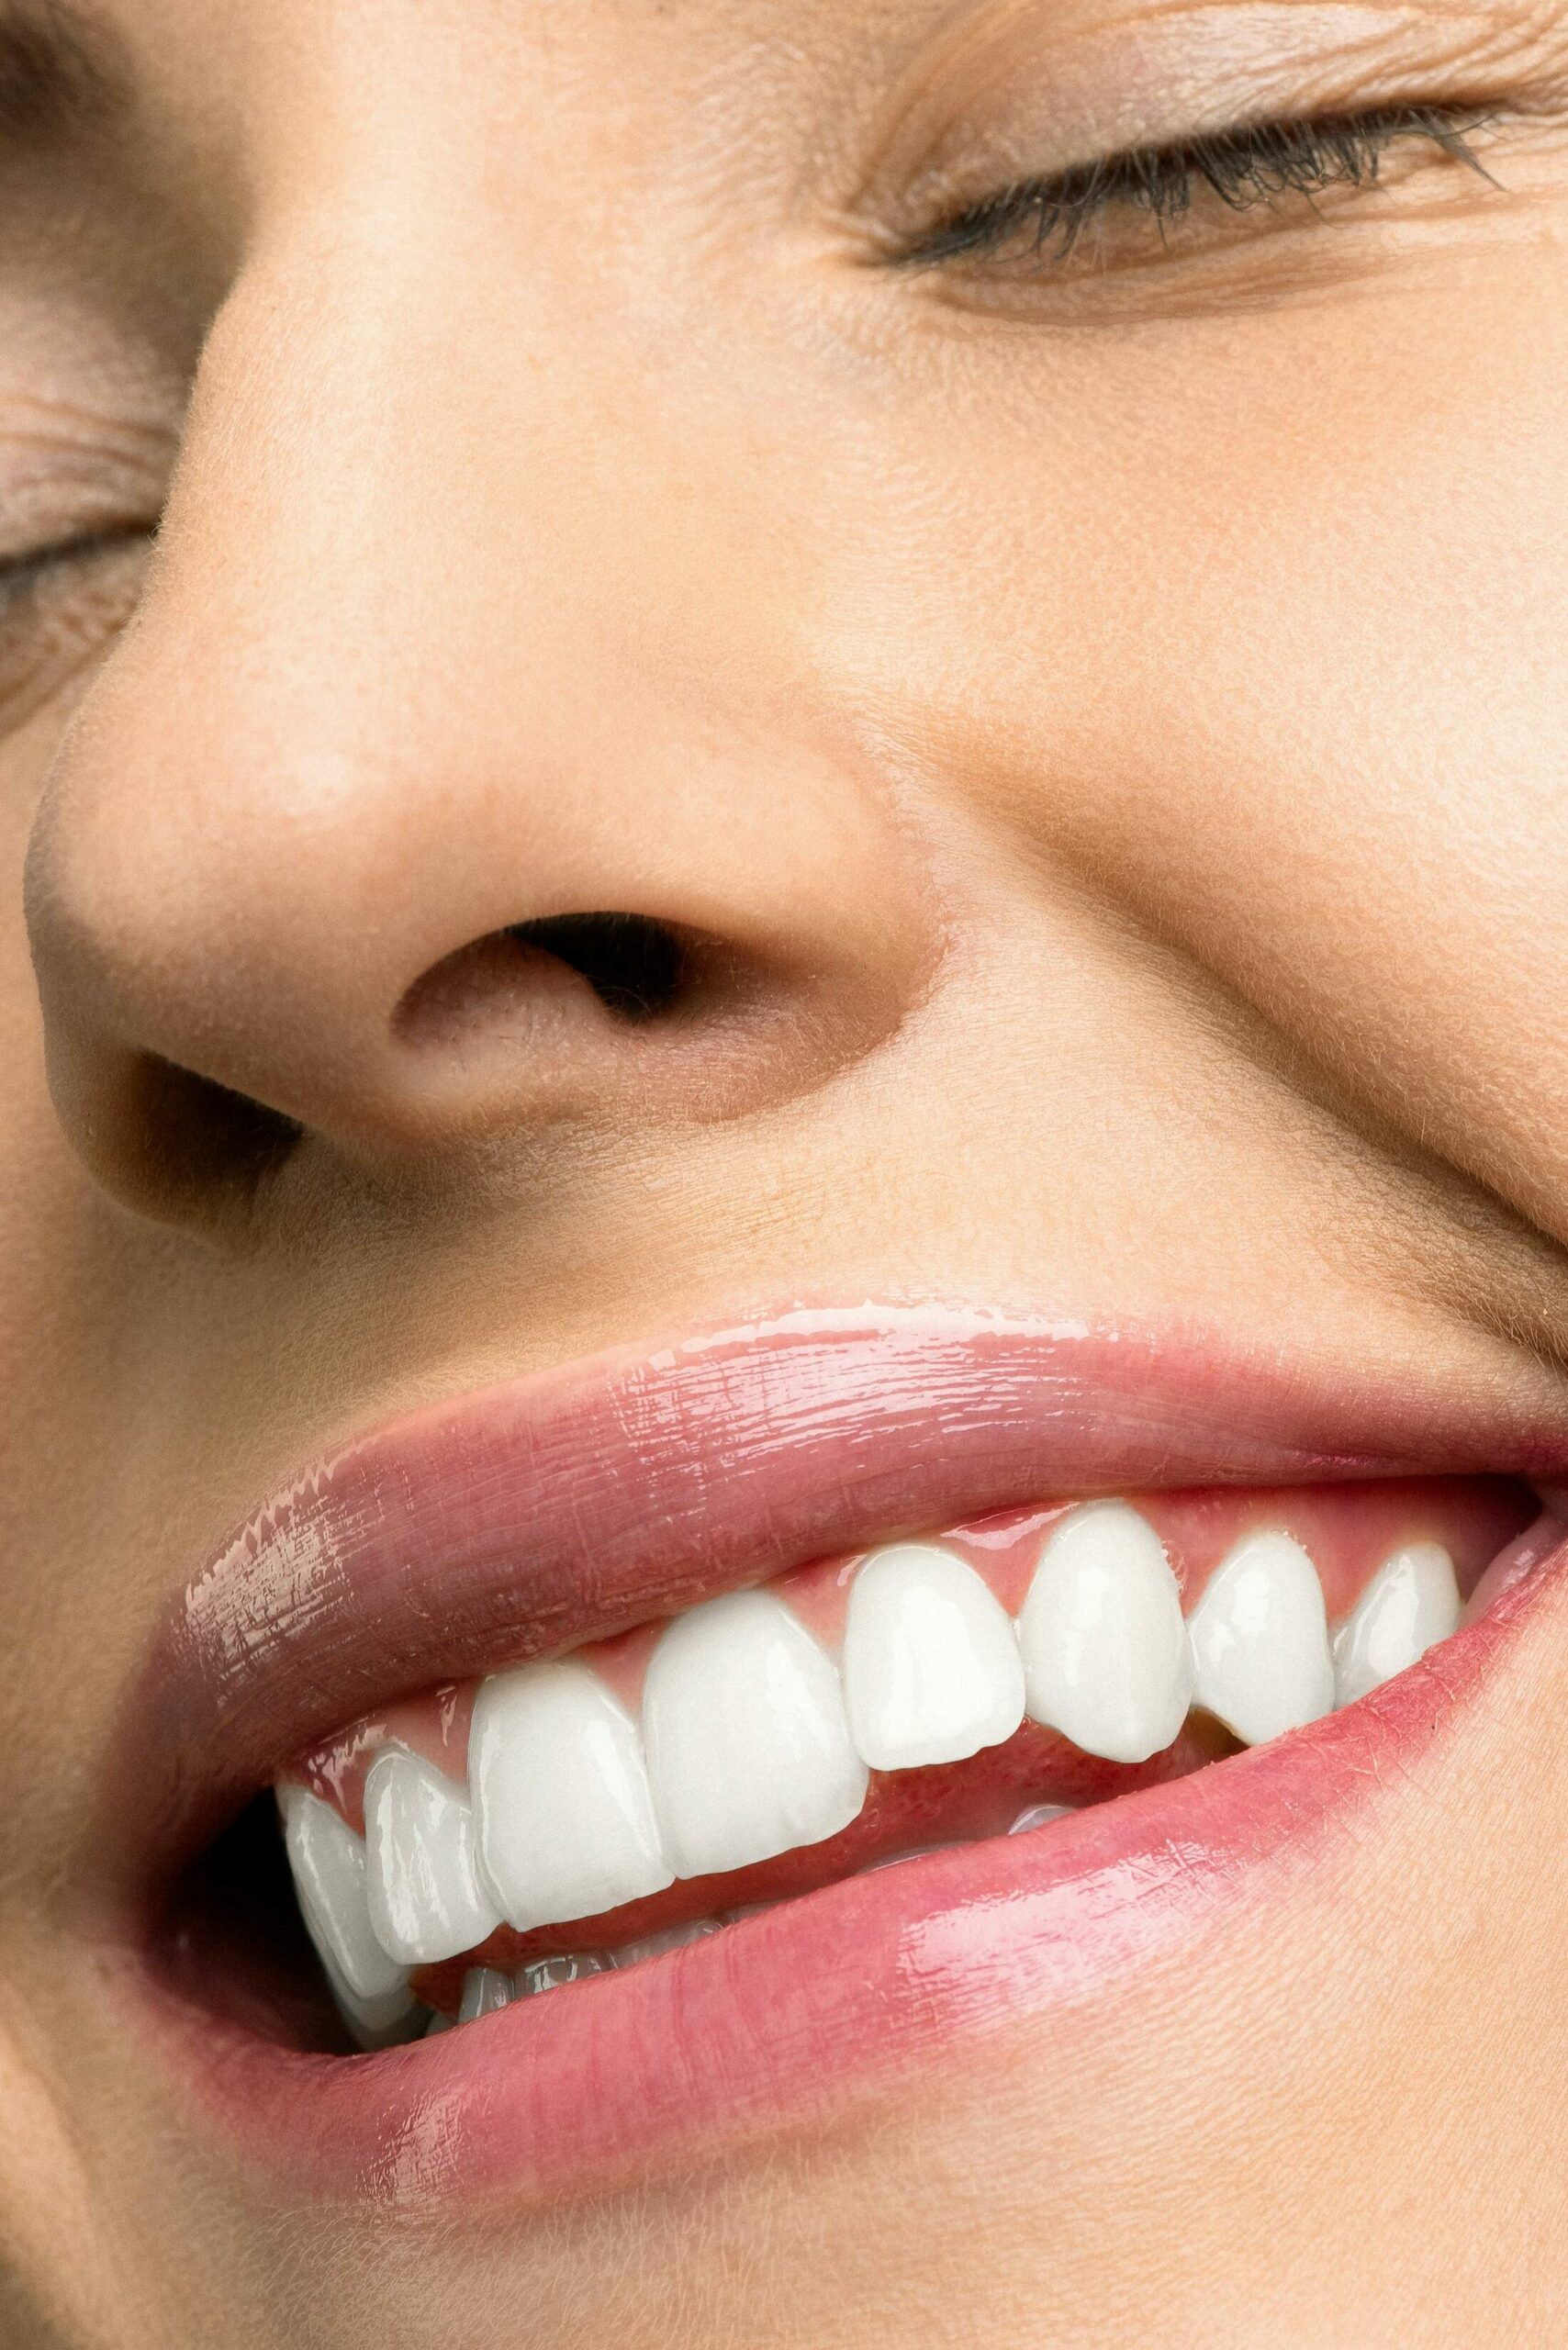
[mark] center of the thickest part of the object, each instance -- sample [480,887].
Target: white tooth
[1411,1602]
[485,1988]
[438,2024]
[561,1798]
[1040,1814]
[1261,1642]
[383,2021]
[549,1974]
[426,1902]
[1104,1648]
[915,1852]
[931,1670]
[749,1745]
[328,1861]
[673,1938]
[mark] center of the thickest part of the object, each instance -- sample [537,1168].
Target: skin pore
[1088,707]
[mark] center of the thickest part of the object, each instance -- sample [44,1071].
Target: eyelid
[17,571]
[1031,89]
[1245,168]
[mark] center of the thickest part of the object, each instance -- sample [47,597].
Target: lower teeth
[1038,1815]
[549,1974]
[487,1989]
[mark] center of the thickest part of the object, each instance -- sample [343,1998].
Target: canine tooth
[1411,1602]
[1262,1640]
[549,1974]
[485,1988]
[561,1798]
[749,1744]
[1105,1654]
[931,1669]
[426,1902]
[328,1861]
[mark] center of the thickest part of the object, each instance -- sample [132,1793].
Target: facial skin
[1102,723]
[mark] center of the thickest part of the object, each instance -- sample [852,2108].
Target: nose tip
[406,956]
[434,810]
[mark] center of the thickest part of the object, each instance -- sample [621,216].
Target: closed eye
[21,573]
[1037,222]
[61,606]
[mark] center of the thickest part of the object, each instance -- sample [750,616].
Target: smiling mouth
[562,1689]
[542,1826]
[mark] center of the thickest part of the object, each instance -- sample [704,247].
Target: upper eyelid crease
[1252,164]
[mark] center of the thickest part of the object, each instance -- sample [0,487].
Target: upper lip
[572,1504]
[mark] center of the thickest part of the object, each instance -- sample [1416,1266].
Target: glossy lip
[786,2020]
[570,1506]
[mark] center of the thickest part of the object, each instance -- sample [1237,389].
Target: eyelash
[21,573]
[1257,164]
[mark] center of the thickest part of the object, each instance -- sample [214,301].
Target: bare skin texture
[1101,718]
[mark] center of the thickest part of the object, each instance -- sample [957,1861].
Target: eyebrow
[60,74]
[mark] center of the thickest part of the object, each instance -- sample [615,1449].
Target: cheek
[64,1325]
[1257,622]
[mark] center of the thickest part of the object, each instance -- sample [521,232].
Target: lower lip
[793,2017]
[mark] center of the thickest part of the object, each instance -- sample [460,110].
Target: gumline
[962,1953]
[1043,1384]
[1256,1511]
[976,1540]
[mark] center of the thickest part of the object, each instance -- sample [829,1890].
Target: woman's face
[834,810]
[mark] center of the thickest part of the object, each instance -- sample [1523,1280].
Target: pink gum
[1348,1531]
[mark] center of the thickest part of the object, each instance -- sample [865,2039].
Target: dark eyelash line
[20,573]
[1254,165]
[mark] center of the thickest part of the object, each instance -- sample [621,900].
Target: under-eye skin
[1156,197]
[784,1174]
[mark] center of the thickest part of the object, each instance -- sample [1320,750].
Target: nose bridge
[431,502]
[445,639]
[406,435]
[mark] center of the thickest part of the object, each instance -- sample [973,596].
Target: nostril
[641,971]
[637,967]
[184,1143]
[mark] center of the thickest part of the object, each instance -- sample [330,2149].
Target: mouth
[795,1707]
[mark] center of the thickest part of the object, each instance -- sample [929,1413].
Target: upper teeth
[561,1789]
[1261,1641]
[329,1863]
[749,1744]
[752,1739]
[1411,1602]
[931,1667]
[1104,1647]
[426,1898]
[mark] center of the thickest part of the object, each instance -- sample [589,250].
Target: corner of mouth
[561,1539]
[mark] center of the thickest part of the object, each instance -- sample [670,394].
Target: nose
[464,780]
